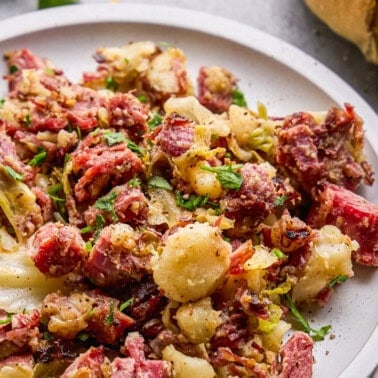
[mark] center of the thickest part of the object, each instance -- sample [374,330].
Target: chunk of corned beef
[312,152]
[176,135]
[126,112]
[215,88]
[18,334]
[353,215]
[137,365]
[56,249]
[25,361]
[114,262]
[250,204]
[296,357]
[91,364]
[100,166]
[130,206]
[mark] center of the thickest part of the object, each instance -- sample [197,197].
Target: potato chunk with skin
[187,367]
[198,321]
[193,262]
[331,257]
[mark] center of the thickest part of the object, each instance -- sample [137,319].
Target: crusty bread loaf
[355,20]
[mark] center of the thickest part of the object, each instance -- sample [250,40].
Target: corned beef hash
[153,227]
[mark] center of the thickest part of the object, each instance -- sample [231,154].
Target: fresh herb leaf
[317,335]
[126,304]
[55,189]
[134,182]
[279,253]
[338,279]
[83,336]
[142,98]
[226,175]
[78,132]
[109,319]
[39,158]
[88,246]
[100,223]
[114,138]
[155,121]
[193,202]
[280,200]
[159,182]
[134,147]
[12,173]
[86,230]
[106,203]
[2,102]
[27,120]
[50,71]
[238,98]
[13,69]
[111,84]
[42,4]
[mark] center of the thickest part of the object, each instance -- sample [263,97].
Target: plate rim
[270,46]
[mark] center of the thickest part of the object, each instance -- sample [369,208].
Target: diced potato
[193,263]
[331,256]
[198,321]
[187,367]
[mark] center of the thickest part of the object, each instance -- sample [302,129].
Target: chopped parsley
[338,279]
[134,182]
[13,69]
[142,98]
[83,336]
[109,319]
[111,84]
[55,189]
[2,102]
[159,182]
[126,304]
[106,203]
[316,335]
[27,120]
[278,253]
[86,229]
[238,98]
[226,175]
[112,138]
[12,173]
[155,121]
[54,3]
[39,158]
[192,203]
[100,223]
[280,200]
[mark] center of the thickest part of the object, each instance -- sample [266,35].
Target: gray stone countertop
[289,20]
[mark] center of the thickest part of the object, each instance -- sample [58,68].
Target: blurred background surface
[289,20]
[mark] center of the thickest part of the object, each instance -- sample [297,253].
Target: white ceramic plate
[270,71]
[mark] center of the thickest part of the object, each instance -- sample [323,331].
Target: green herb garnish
[112,138]
[100,223]
[13,69]
[155,121]
[42,4]
[83,336]
[134,147]
[228,178]
[6,320]
[238,98]
[338,279]
[55,189]
[278,253]
[126,304]
[106,203]
[280,200]
[134,182]
[109,319]
[27,120]
[39,158]
[192,203]
[111,84]
[159,182]
[2,102]
[316,335]
[142,98]
[12,173]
